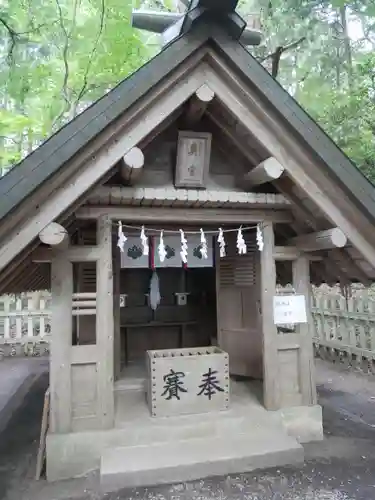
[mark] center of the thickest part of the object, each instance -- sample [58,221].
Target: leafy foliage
[327,64]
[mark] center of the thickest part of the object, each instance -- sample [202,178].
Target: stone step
[148,430]
[192,459]
[135,426]
[169,429]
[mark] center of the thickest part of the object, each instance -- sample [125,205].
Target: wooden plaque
[193,159]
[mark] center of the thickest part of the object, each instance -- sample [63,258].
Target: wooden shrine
[166,217]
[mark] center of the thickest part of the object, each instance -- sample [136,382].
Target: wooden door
[238,301]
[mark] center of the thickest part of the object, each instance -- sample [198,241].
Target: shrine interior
[185,316]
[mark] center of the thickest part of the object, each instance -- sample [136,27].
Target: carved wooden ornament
[193,159]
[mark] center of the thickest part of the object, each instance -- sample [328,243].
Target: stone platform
[142,450]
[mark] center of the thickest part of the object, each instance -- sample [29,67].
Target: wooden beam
[14,274]
[55,235]
[322,240]
[350,266]
[225,145]
[73,254]
[285,185]
[249,154]
[183,216]
[17,278]
[292,253]
[198,104]
[173,117]
[132,165]
[333,273]
[267,171]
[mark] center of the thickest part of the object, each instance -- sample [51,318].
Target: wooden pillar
[105,324]
[301,283]
[117,311]
[268,291]
[61,325]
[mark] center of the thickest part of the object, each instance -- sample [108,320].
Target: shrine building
[165,219]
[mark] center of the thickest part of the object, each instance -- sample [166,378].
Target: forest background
[59,56]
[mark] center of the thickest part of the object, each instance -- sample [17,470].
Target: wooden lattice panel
[235,269]
[238,271]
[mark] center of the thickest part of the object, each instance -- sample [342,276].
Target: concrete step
[192,459]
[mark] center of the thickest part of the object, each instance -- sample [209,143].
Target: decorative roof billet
[171,25]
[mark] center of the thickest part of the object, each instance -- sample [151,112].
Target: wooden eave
[169,196]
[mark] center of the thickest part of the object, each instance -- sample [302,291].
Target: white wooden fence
[25,324]
[344,327]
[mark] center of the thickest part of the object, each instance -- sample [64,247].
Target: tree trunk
[347,45]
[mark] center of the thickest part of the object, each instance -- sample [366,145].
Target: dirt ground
[342,467]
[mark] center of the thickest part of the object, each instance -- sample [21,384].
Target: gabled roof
[51,157]
[47,159]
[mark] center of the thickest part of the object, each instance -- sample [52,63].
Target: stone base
[272,438]
[195,459]
[305,423]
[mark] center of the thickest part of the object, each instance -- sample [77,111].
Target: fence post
[6,319]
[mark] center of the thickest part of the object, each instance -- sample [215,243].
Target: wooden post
[117,348]
[268,291]
[105,324]
[302,286]
[61,343]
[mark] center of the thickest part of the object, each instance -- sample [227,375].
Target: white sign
[289,309]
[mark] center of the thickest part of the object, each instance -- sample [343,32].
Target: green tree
[57,57]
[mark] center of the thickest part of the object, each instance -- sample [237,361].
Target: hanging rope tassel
[154,291]
[184,247]
[144,242]
[161,248]
[260,241]
[203,249]
[121,237]
[222,244]
[241,245]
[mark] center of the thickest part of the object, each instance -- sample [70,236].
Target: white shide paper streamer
[204,249]
[121,238]
[222,244]
[241,245]
[161,248]
[144,242]
[184,247]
